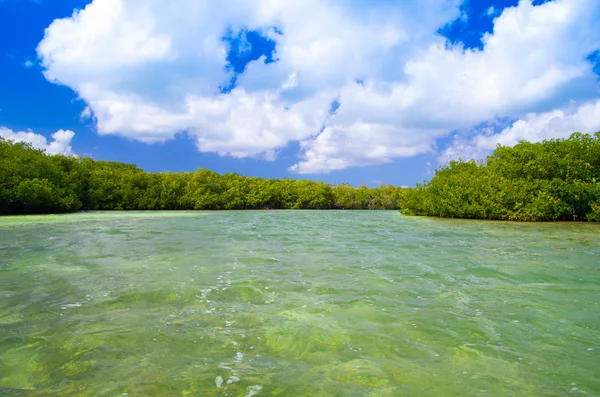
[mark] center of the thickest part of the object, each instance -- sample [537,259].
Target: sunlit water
[305,303]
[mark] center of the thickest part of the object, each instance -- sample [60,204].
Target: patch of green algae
[296,304]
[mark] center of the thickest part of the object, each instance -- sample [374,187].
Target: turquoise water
[304,303]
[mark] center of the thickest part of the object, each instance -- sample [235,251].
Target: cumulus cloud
[338,147]
[148,71]
[86,114]
[60,144]
[534,127]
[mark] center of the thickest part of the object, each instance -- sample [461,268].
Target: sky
[357,91]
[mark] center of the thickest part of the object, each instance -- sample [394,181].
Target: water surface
[297,303]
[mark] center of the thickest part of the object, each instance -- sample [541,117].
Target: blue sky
[342,91]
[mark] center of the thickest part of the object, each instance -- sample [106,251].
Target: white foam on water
[232,379]
[238,357]
[205,292]
[70,305]
[252,390]
[218,381]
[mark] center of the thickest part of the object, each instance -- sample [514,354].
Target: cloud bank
[534,127]
[60,144]
[149,70]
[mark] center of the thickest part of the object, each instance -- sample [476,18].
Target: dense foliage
[556,179]
[33,182]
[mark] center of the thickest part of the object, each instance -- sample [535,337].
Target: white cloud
[342,146]
[86,113]
[491,11]
[60,144]
[90,35]
[149,70]
[28,64]
[534,127]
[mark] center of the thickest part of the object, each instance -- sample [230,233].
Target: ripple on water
[297,303]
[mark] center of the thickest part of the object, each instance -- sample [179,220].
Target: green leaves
[546,181]
[32,182]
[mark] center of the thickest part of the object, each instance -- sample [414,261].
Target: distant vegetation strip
[32,182]
[552,180]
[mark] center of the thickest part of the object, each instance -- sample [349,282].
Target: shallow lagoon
[304,303]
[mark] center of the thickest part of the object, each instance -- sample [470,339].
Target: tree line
[556,179]
[553,180]
[33,182]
